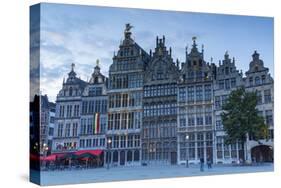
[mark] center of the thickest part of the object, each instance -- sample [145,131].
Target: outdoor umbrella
[68,156]
[85,155]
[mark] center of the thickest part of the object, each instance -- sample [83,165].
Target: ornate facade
[159,141]
[125,95]
[195,108]
[259,80]
[93,121]
[228,78]
[68,106]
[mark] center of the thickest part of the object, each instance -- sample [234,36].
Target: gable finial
[98,62]
[72,66]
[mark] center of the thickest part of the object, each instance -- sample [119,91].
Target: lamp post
[45,150]
[107,153]
[187,150]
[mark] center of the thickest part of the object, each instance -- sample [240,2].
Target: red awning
[93,152]
[52,157]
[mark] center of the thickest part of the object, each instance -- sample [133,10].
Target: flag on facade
[96,123]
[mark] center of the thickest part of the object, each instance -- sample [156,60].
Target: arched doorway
[173,148]
[115,156]
[129,156]
[122,158]
[262,153]
[136,155]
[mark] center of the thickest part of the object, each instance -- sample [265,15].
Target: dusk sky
[82,34]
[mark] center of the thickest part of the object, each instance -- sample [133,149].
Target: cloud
[82,34]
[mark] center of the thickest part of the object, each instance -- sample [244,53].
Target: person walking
[201,164]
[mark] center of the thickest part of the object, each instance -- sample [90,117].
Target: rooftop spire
[72,66]
[186,50]
[97,67]
[97,62]
[226,56]
[72,73]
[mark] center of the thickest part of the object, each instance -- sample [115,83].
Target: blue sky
[82,34]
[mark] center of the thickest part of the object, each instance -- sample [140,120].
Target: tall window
[259,95]
[137,140]
[67,130]
[267,96]
[221,84]
[208,92]
[118,101]
[82,143]
[74,129]
[257,80]
[217,102]
[60,129]
[251,81]
[124,120]
[268,117]
[117,121]
[182,121]
[190,92]
[84,107]
[61,114]
[124,100]
[199,93]
[83,126]
[76,110]
[116,141]
[182,94]
[208,119]
[227,84]
[218,124]
[68,110]
[130,140]
[263,79]
[191,121]
[224,99]
[123,141]
[199,120]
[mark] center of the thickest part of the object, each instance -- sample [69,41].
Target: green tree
[240,118]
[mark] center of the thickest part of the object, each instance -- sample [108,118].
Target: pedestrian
[209,162]
[201,164]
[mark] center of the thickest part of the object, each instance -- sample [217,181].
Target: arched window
[96,80]
[257,80]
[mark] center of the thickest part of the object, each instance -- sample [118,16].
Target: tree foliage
[240,117]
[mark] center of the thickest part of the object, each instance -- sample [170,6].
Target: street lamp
[187,150]
[108,150]
[45,150]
